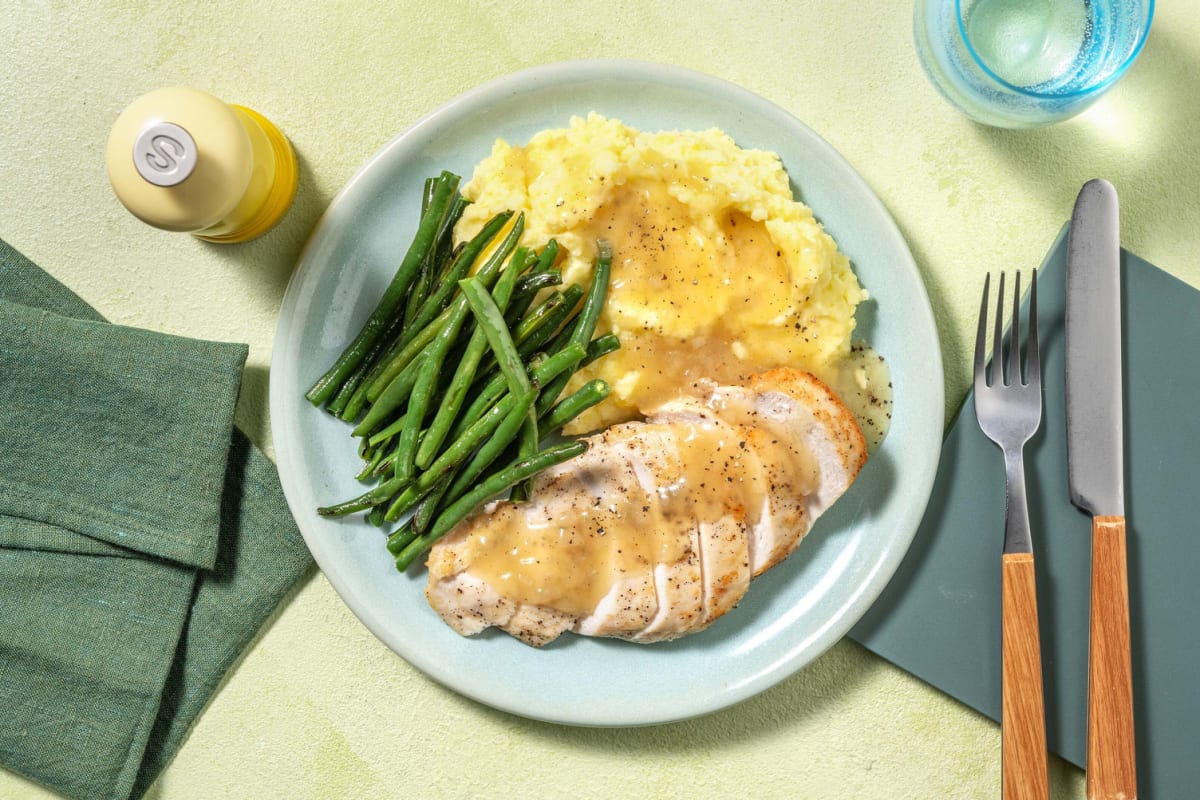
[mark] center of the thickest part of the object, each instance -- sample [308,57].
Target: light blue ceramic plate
[790,615]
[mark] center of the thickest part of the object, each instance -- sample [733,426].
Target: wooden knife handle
[1111,771]
[1022,719]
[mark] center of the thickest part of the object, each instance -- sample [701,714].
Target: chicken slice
[725,560]
[829,436]
[656,530]
[680,589]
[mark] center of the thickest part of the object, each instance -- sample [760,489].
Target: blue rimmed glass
[1026,63]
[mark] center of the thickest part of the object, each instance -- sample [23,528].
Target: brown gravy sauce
[671,282]
[599,524]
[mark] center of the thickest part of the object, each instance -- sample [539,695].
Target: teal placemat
[940,616]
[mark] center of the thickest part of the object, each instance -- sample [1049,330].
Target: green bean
[392,364]
[371,465]
[553,417]
[422,502]
[521,302]
[385,464]
[432,310]
[446,233]
[518,307]
[530,332]
[528,442]
[487,392]
[514,372]
[527,445]
[581,328]
[423,390]
[487,272]
[430,372]
[435,263]
[464,374]
[584,325]
[405,500]
[356,351]
[387,433]
[597,292]
[466,263]
[427,194]
[574,404]
[345,404]
[341,401]
[366,449]
[534,282]
[426,511]
[545,370]
[372,497]
[464,445]
[524,297]
[530,335]
[399,539]
[600,347]
[394,396]
[542,272]
[402,381]
[547,257]
[445,240]
[420,288]
[597,348]
[514,423]
[514,320]
[577,331]
[554,308]
[457,511]
[550,392]
[491,320]
[564,335]
[491,434]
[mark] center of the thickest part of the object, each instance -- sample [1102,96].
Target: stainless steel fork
[1009,410]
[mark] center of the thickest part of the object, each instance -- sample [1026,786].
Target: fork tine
[1014,338]
[981,336]
[997,344]
[1033,361]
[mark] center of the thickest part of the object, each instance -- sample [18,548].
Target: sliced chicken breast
[655,531]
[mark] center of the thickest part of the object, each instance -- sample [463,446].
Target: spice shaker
[182,160]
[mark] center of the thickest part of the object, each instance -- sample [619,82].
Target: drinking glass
[1026,63]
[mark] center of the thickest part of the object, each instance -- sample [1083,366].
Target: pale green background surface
[318,708]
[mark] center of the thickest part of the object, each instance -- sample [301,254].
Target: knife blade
[1095,429]
[1096,475]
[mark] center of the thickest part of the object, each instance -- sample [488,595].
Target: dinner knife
[1095,468]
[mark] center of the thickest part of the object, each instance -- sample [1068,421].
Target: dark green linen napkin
[144,540]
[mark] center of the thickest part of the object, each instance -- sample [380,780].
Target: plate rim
[567,72]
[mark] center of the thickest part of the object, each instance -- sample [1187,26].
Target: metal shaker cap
[164,154]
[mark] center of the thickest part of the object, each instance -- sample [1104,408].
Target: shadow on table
[810,693]
[265,265]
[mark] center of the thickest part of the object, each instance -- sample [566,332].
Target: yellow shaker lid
[179,159]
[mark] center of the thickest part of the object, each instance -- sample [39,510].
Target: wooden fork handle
[1023,719]
[1111,770]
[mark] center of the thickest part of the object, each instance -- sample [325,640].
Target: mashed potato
[718,272]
